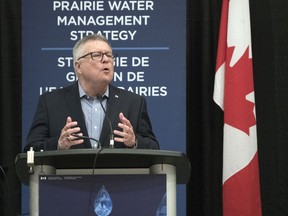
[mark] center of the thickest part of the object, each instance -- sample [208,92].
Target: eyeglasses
[98,56]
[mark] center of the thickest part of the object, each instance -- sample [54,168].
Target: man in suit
[74,116]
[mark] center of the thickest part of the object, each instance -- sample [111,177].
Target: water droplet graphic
[103,203]
[162,209]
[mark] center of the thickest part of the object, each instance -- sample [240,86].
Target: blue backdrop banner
[149,38]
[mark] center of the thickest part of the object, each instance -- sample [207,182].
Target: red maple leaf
[238,111]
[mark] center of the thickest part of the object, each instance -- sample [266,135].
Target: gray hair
[77,47]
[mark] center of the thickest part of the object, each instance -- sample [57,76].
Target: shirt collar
[83,94]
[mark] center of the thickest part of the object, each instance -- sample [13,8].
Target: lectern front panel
[135,194]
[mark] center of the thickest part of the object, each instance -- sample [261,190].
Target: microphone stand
[110,125]
[91,138]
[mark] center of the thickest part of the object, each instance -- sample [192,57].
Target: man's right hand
[66,139]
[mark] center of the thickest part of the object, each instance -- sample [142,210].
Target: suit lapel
[74,105]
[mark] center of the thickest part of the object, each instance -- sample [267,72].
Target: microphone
[109,122]
[90,138]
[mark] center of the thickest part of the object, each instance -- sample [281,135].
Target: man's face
[98,71]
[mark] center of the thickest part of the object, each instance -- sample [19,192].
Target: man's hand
[127,135]
[66,139]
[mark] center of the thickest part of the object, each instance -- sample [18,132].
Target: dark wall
[270,47]
[10,108]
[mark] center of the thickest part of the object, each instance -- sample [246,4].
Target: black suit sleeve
[134,108]
[50,117]
[39,134]
[144,133]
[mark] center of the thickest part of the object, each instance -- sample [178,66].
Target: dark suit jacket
[54,108]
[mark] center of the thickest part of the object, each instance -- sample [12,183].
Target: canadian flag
[234,93]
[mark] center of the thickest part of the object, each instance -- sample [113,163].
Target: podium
[175,165]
